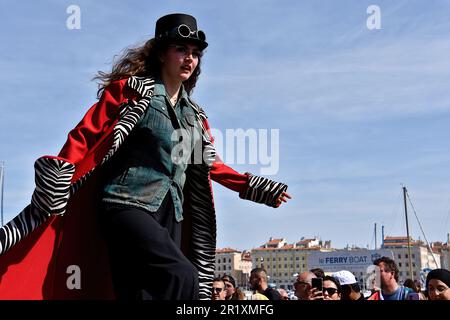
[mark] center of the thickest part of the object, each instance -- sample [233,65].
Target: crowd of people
[317,284]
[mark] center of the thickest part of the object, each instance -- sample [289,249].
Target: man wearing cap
[350,289]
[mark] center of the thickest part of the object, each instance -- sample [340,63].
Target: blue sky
[359,111]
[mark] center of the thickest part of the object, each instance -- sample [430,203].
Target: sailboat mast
[407,234]
[375,231]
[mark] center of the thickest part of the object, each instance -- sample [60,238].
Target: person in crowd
[415,287]
[232,292]
[438,284]
[331,288]
[390,288]
[283,293]
[303,287]
[258,282]
[350,289]
[218,287]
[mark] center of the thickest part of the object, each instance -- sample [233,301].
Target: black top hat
[179,26]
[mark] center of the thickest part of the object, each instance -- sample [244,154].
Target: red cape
[40,266]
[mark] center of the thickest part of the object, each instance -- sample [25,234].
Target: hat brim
[200,43]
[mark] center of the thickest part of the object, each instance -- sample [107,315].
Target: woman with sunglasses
[331,288]
[138,167]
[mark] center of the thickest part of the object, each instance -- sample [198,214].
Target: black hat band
[184,31]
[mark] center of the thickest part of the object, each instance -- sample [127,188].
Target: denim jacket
[152,160]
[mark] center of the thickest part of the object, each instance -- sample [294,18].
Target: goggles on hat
[184,31]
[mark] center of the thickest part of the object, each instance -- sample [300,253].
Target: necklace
[173,100]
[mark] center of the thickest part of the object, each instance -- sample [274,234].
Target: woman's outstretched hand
[283,198]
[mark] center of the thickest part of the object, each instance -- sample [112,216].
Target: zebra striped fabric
[52,191]
[203,241]
[263,190]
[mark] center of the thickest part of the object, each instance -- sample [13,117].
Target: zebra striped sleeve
[263,190]
[53,178]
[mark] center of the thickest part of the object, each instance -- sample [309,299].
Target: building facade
[421,257]
[235,263]
[284,261]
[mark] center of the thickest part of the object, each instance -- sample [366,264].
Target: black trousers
[145,255]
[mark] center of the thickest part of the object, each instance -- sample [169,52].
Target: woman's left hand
[283,198]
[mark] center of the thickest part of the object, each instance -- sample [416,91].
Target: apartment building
[284,261]
[235,263]
[421,257]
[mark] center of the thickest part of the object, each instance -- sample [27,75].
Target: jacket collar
[145,86]
[160,90]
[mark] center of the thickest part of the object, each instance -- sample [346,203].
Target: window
[297,266]
[414,264]
[285,258]
[297,258]
[399,256]
[406,255]
[413,256]
[285,274]
[285,265]
[303,266]
[274,259]
[224,260]
[407,264]
[279,266]
[218,268]
[229,260]
[399,264]
[303,258]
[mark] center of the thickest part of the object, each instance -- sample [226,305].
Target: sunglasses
[217,290]
[330,291]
